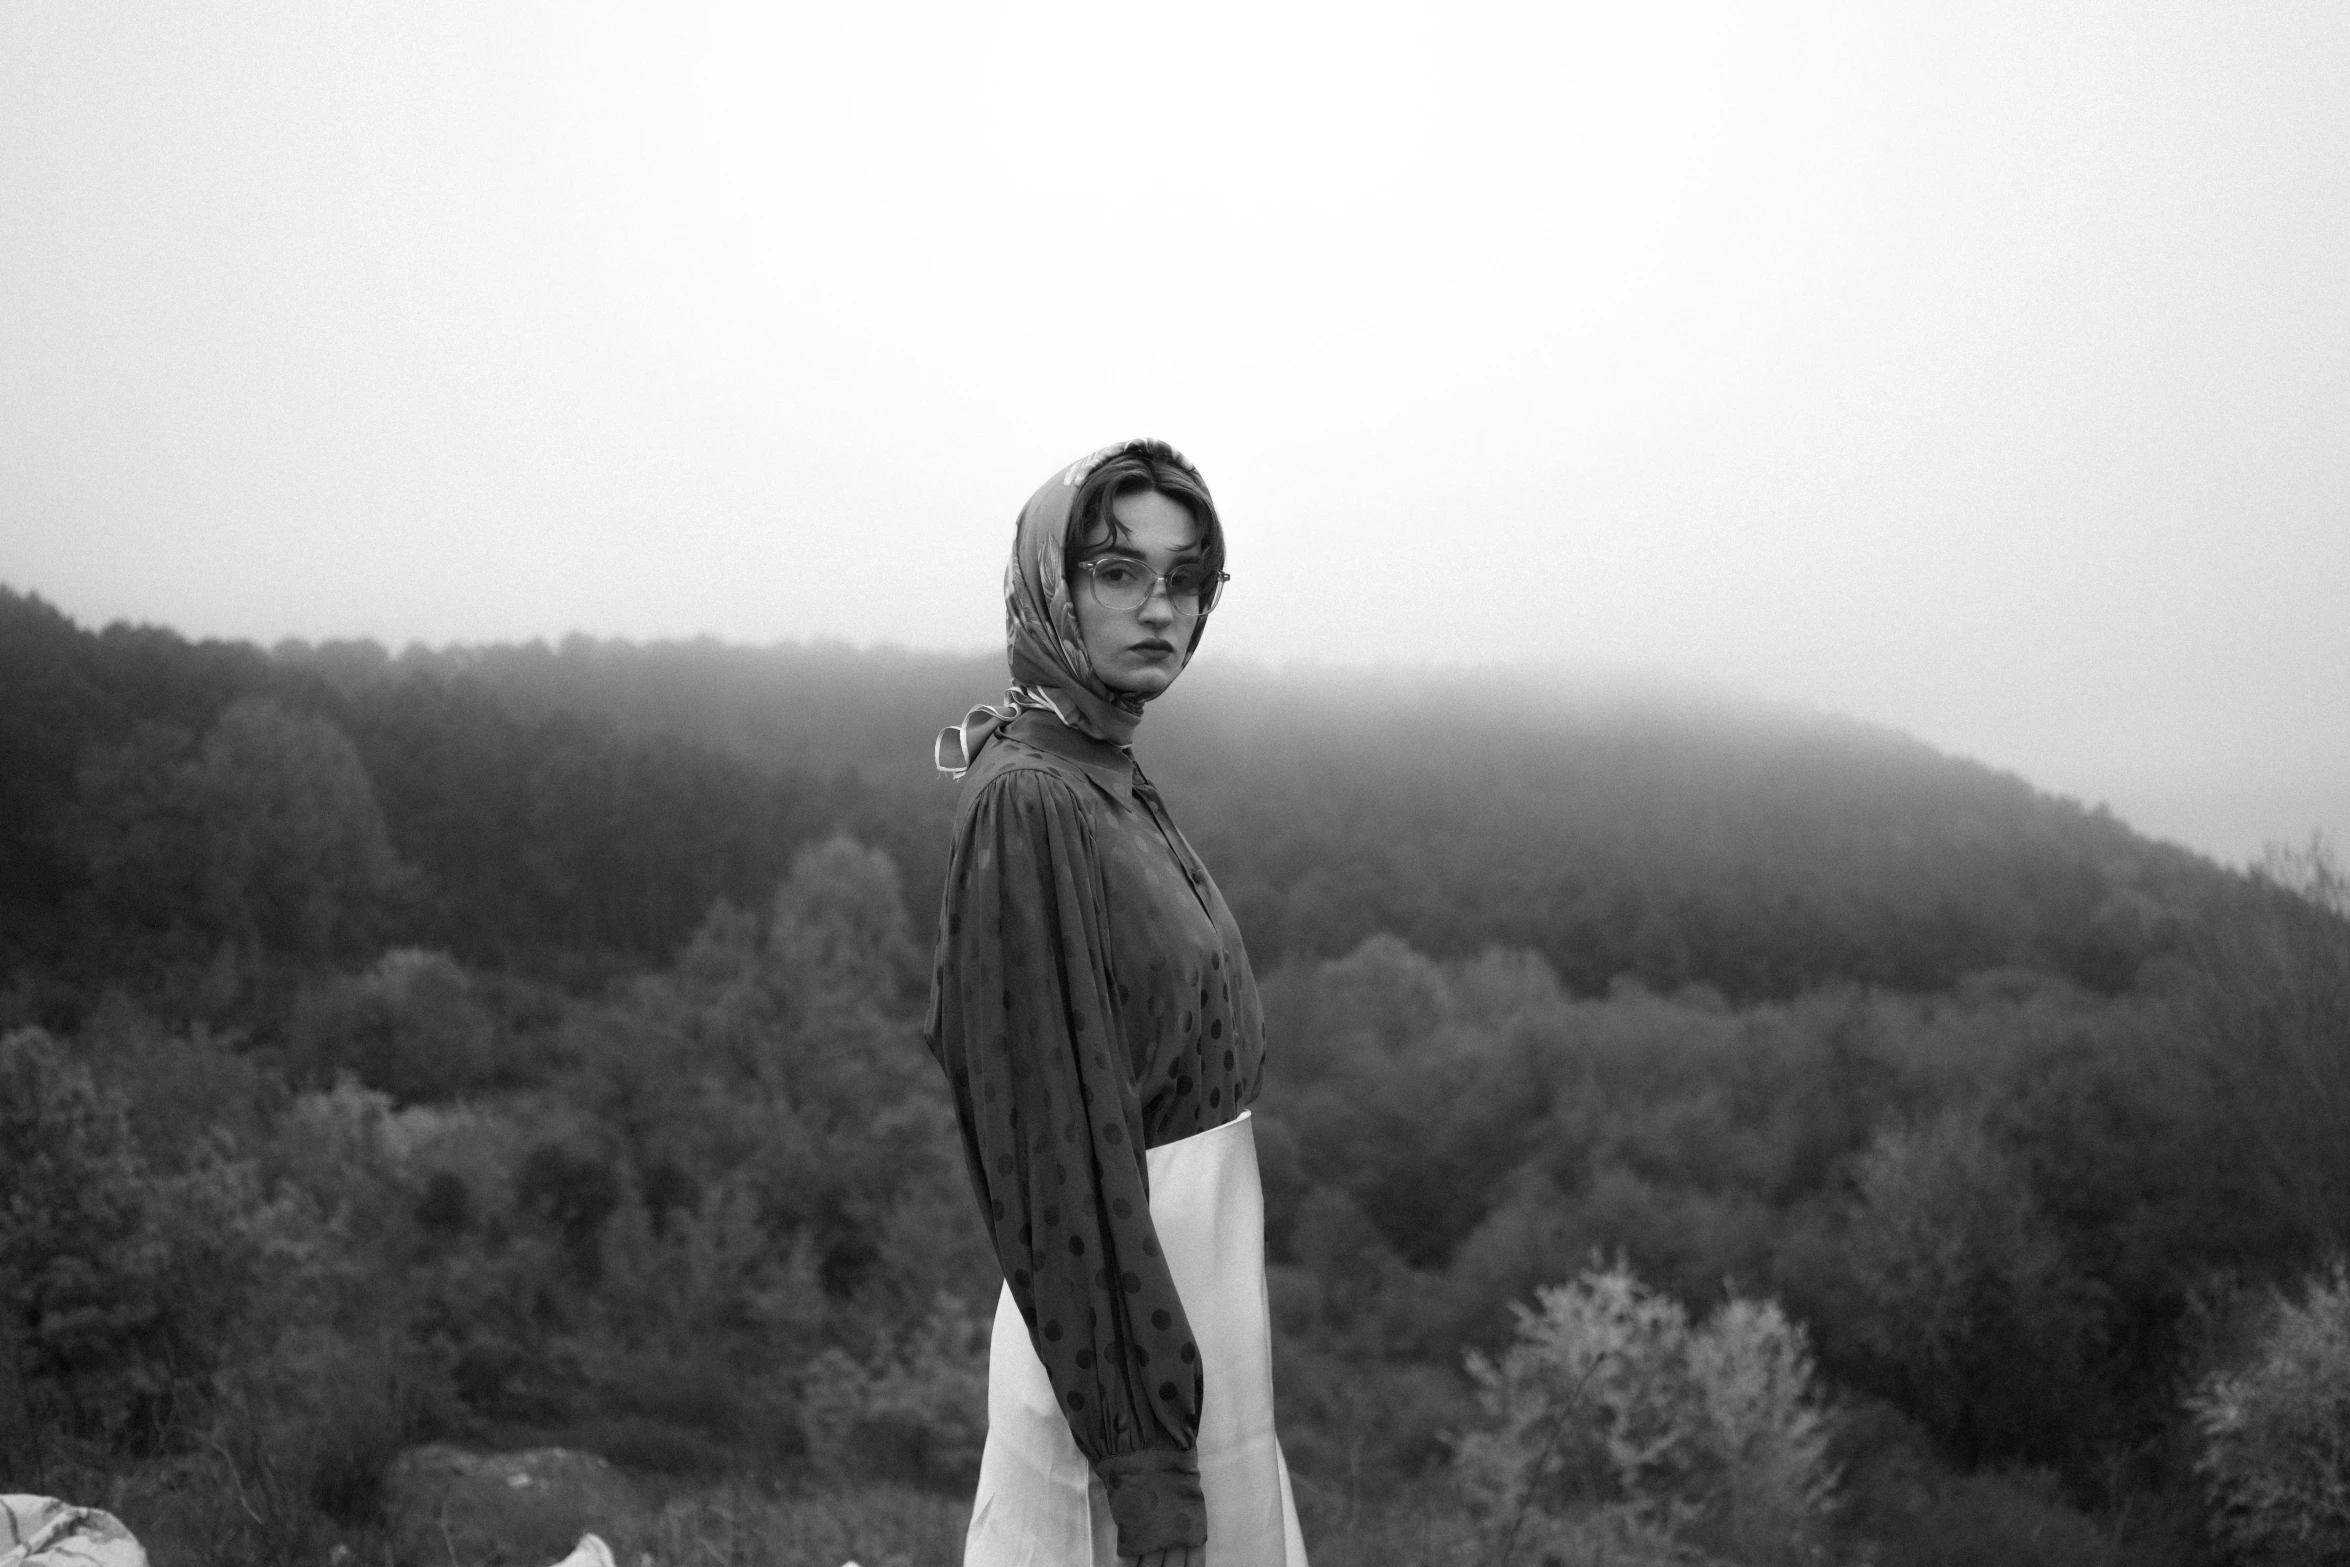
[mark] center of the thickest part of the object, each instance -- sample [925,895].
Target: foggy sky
[1982,370]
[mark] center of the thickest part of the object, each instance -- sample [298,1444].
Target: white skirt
[1039,1504]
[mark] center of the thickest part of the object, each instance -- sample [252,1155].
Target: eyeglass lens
[1120,584]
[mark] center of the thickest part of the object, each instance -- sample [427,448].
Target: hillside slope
[597,796]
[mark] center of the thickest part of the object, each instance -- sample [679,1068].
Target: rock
[507,1509]
[41,1531]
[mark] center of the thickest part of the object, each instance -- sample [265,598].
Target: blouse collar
[1109,766]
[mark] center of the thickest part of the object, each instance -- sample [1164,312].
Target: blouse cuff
[1155,1500]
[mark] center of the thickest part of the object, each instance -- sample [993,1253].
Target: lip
[1152,649]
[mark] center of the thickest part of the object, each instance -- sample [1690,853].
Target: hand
[1172,1556]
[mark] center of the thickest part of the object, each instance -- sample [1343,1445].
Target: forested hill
[518,1047]
[530,805]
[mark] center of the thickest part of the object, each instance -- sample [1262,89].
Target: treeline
[1668,834]
[205,818]
[573,810]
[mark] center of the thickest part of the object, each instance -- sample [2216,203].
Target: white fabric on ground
[41,1531]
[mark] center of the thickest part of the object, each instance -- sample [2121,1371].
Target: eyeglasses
[1121,583]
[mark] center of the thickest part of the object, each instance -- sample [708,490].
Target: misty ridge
[1619,827]
[1694,1130]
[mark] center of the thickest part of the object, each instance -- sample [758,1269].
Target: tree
[2276,1434]
[265,837]
[116,1287]
[840,928]
[297,859]
[1972,1311]
[410,1026]
[2271,1007]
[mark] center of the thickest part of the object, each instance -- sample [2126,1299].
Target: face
[1139,650]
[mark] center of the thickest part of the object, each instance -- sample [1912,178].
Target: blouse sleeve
[1052,1126]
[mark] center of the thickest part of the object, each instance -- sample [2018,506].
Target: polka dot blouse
[1091,1000]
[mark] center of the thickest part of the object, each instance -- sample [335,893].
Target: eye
[1117,574]
[1186,581]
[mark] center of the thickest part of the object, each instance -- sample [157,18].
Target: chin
[1145,683]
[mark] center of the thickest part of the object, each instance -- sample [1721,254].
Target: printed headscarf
[1049,665]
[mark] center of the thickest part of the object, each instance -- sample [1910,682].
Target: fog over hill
[596,796]
[1620,827]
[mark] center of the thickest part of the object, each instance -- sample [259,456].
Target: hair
[1138,467]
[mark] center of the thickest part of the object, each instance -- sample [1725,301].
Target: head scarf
[1046,651]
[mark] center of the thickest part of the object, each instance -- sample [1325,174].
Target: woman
[1094,1012]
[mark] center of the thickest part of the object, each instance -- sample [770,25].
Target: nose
[1158,609]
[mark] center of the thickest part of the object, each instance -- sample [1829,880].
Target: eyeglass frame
[1211,593]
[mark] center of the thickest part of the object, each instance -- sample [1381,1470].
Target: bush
[1366,1423]
[2276,1434]
[1903,1508]
[2015,1520]
[1622,1430]
[916,1414]
[313,1426]
[118,1288]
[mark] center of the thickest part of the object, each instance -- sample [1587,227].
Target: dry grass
[873,1526]
[1417,1524]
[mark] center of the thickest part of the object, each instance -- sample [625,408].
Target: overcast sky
[1979,369]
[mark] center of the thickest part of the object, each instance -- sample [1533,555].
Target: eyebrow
[1129,552]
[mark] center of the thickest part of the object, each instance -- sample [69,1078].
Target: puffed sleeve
[1024,1024]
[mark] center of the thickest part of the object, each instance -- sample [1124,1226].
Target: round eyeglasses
[1121,583]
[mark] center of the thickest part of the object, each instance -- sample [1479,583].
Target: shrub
[312,1426]
[2015,1520]
[916,1413]
[1621,1429]
[1903,1508]
[2276,1434]
[118,1288]
[1366,1423]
